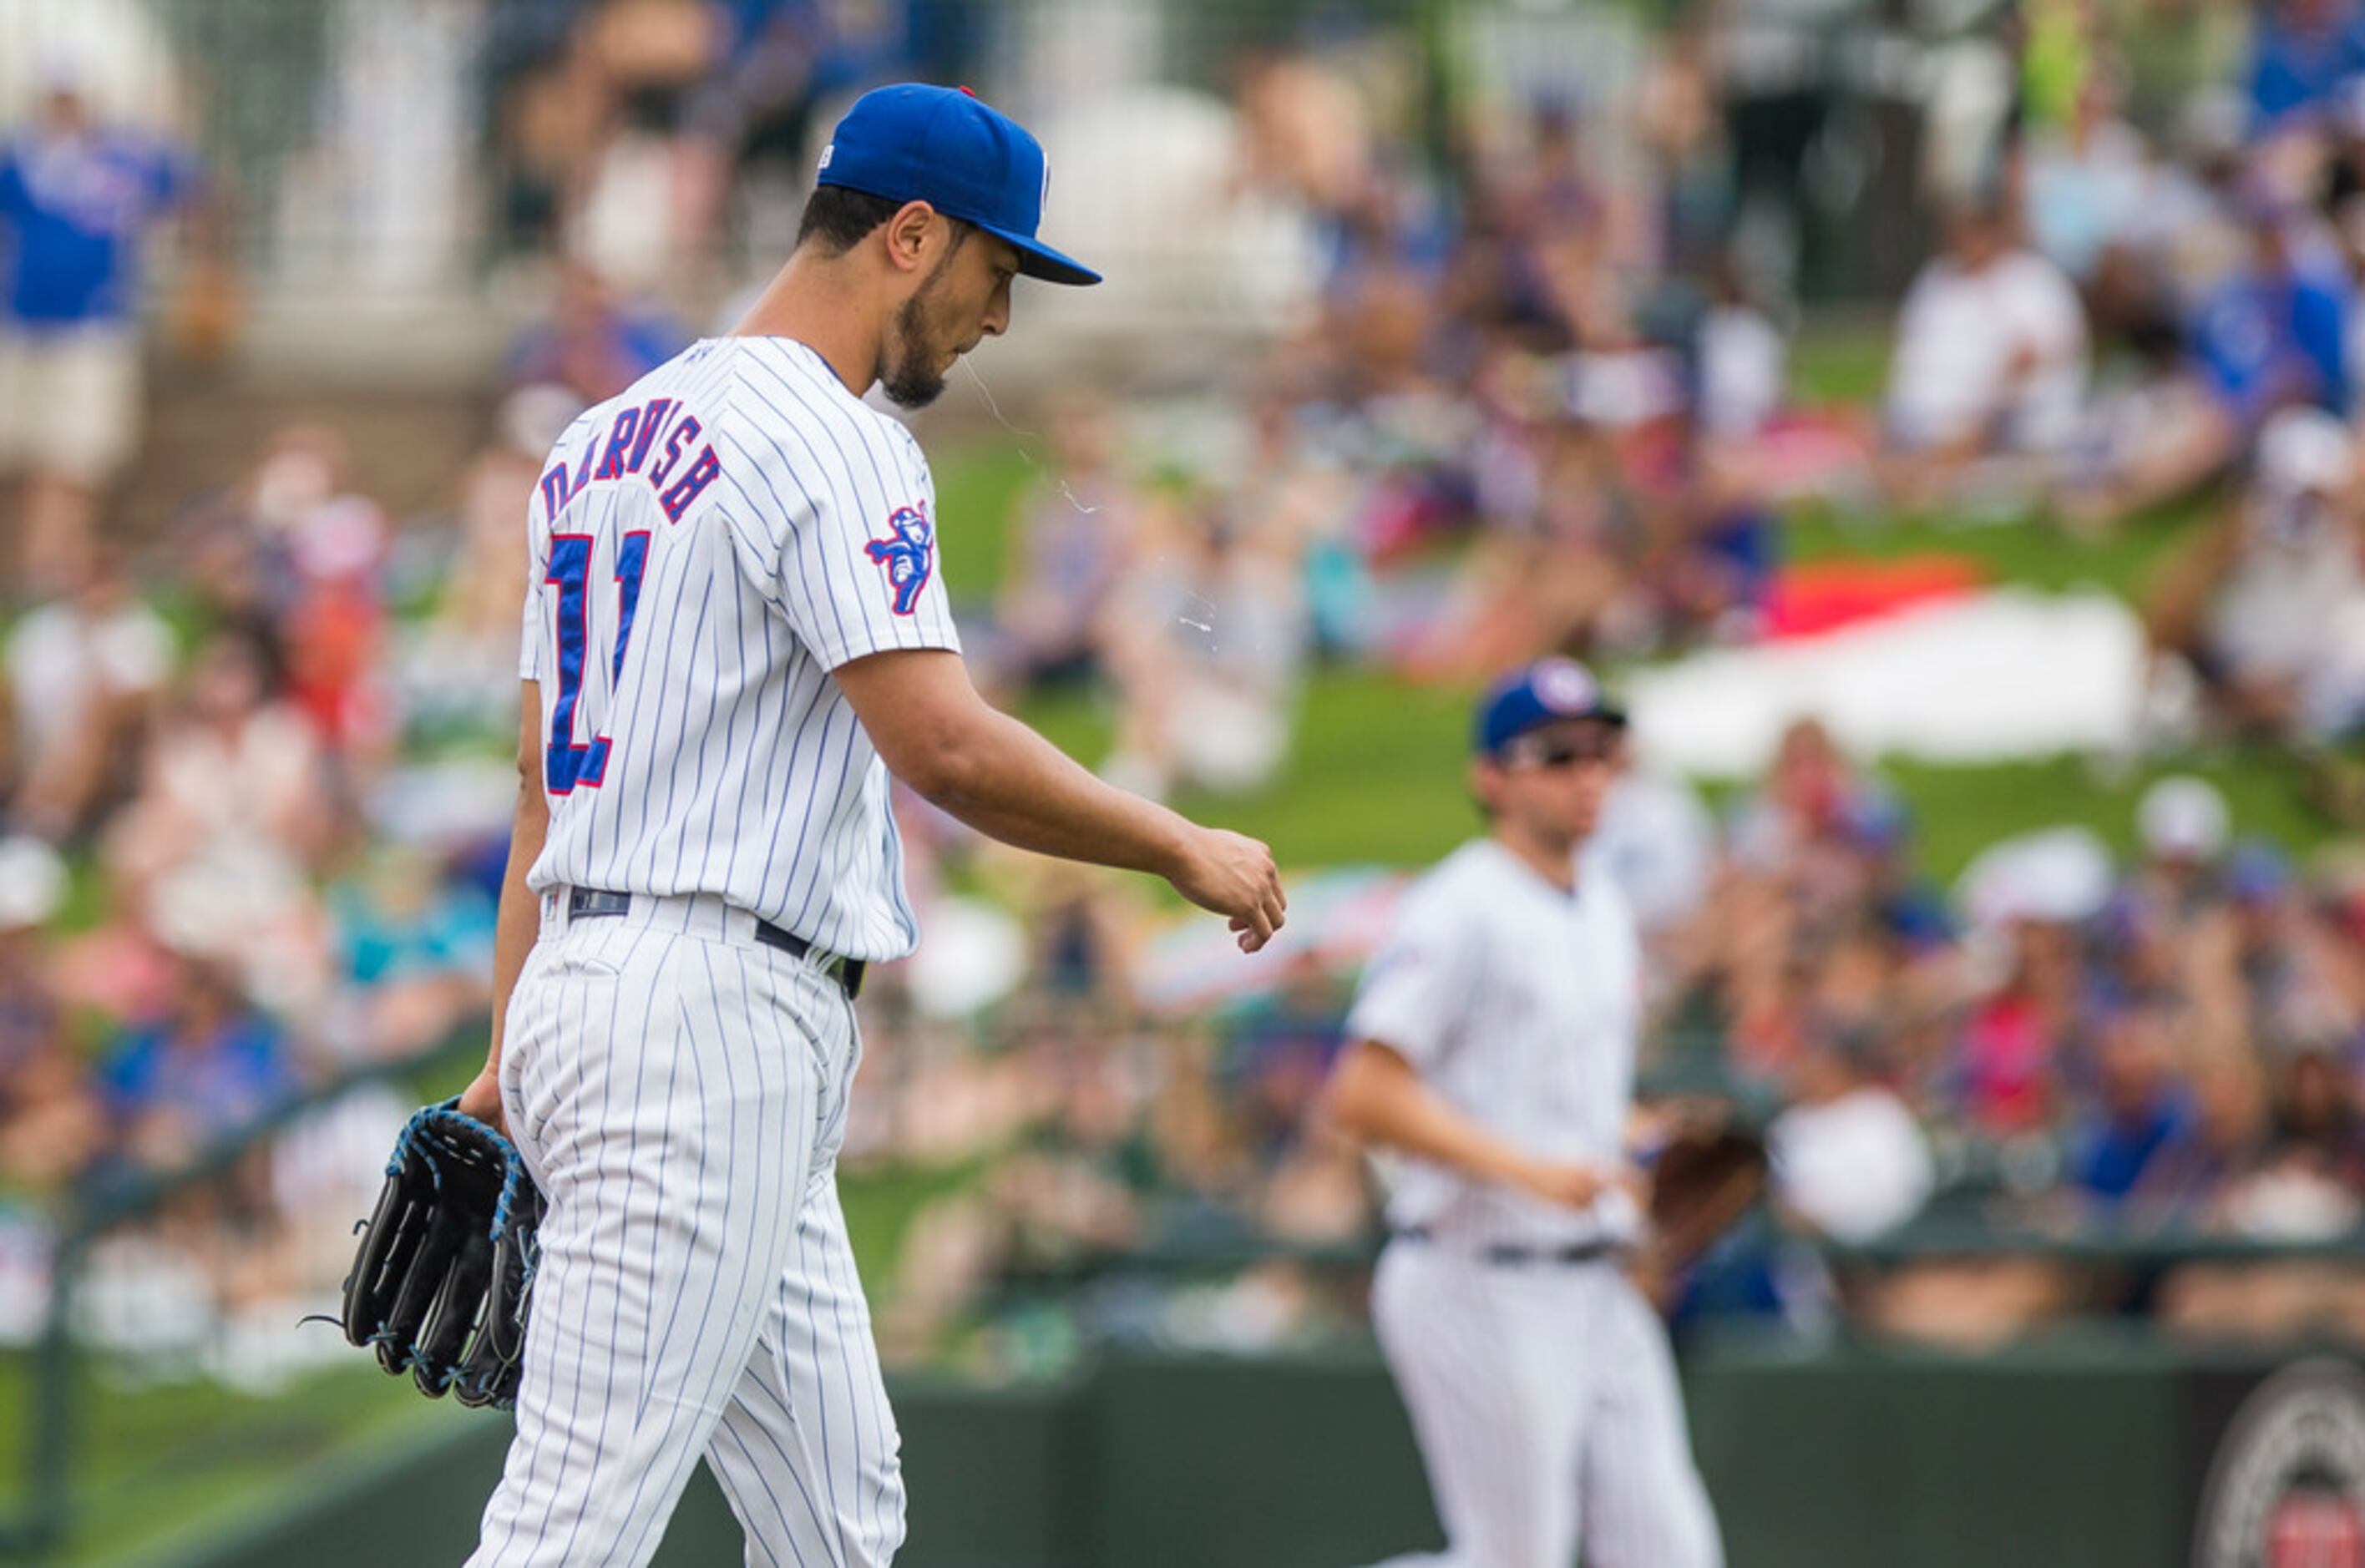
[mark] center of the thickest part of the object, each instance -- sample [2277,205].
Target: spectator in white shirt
[2269,607]
[83,671]
[1989,367]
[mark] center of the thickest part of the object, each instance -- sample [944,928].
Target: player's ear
[909,233]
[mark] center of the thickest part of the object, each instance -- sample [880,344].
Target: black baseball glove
[444,1275]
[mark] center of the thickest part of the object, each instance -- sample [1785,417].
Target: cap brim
[1605,715]
[1037,260]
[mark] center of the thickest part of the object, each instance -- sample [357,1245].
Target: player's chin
[913,391]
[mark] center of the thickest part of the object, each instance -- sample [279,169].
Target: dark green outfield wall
[2085,1457]
[2027,1459]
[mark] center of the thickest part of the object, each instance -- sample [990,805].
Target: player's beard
[911,377]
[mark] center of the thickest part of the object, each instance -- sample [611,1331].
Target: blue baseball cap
[1535,695]
[945,146]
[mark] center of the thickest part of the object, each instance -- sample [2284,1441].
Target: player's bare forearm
[993,772]
[1020,788]
[520,920]
[1377,1097]
[521,914]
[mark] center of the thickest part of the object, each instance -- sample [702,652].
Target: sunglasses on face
[1561,751]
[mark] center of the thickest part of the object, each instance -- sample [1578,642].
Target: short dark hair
[836,219]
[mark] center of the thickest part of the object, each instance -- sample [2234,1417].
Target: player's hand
[1573,1184]
[482,1099]
[1234,876]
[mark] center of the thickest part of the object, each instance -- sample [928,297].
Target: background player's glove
[1704,1177]
[444,1275]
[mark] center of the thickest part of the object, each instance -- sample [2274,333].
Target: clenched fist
[1234,876]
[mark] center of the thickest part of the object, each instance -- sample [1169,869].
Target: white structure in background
[1058,54]
[362,170]
[382,200]
[112,49]
[1148,183]
[1154,181]
[1983,678]
[1588,58]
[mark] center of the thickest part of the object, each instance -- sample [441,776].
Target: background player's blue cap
[943,146]
[1535,695]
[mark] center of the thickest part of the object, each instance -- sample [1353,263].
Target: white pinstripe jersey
[708,546]
[1518,1004]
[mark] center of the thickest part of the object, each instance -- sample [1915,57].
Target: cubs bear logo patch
[908,553]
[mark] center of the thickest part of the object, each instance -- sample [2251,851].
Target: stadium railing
[45,1518]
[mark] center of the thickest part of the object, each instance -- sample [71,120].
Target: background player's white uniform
[1542,1391]
[707,547]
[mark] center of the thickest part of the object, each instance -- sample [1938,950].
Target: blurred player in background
[736,630]
[1491,1058]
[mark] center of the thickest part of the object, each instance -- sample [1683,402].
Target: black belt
[589,903]
[1513,1255]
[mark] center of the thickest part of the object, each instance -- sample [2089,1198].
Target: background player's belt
[1513,1254]
[589,903]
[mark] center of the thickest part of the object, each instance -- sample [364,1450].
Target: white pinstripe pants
[679,1091]
[1545,1404]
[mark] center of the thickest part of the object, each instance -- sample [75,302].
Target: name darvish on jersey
[707,547]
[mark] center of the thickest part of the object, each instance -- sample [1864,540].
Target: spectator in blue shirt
[2274,334]
[2302,52]
[2137,1109]
[212,1065]
[592,343]
[415,949]
[77,198]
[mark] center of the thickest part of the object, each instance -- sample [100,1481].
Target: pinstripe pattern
[1546,1407]
[735,766]
[1543,1396]
[1519,1005]
[679,1091]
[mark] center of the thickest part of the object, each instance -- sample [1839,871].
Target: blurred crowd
[651,139]
[1541,403]
[1541,398]
[253,842]
[2065,1049]
[254,782]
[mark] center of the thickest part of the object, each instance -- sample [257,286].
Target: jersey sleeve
[530,630]
[1414,990]
[858,571]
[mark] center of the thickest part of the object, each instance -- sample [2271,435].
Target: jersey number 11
[566,764]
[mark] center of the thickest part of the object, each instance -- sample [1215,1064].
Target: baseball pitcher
[736,631]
